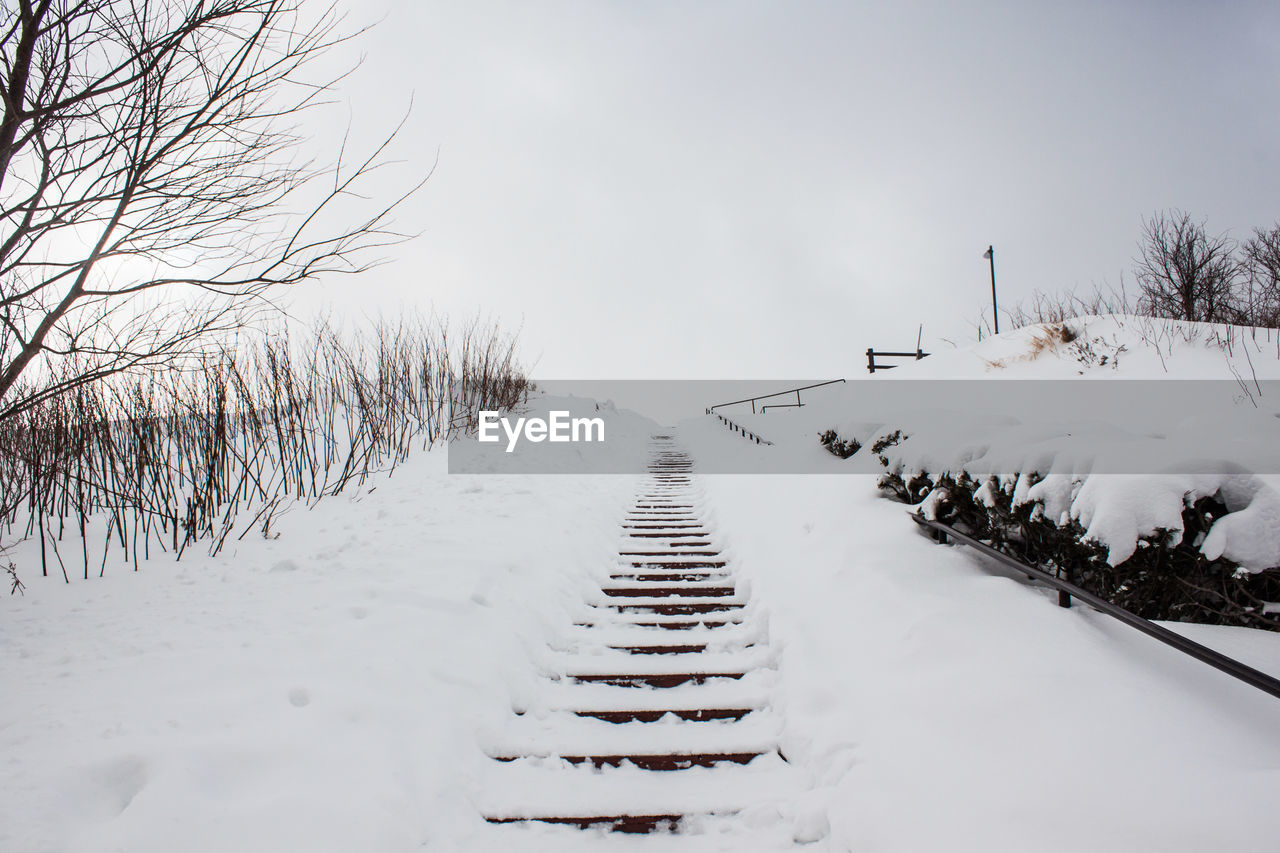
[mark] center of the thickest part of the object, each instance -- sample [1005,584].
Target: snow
[1180,411]
[343,685]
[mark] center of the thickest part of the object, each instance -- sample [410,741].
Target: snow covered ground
[340,687]
[1125,418]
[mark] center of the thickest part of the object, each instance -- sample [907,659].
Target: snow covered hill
[1179,411]
[340,686]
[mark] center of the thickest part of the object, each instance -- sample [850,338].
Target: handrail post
[871,360]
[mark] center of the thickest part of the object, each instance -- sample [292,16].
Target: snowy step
[662,650]
[570,735]
[683,591]
[688,553]
[750,691]
[636,824]
[654,525]
[652,679]
[654,715]
[682,625]
[657,761]
[621,635]
[669,576]
[665,605]
[675,564]
[533,787]
[608,661]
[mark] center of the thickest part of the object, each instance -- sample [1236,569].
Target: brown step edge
[686,512]
[659,761]
[664,535]
[693,715]
[664,519]
[669,591]
[642,824]
[684,543]
[692,649]
[676,609]
[686,564]
[656,526]
[680,626]
[668,553]
[692,577]
[653,679]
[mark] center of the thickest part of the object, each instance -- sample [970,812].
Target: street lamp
[991,256]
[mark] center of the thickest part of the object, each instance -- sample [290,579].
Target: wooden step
[684,626]
[676,609]
[692,577]
[669,591]
[662,650]
[653,679]
[658,761]
[636,824]
[668,553]
[693,715]
[661,527]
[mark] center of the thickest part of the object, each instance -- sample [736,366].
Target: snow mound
[1127,419]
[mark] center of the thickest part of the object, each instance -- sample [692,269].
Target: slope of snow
[319,691]
[1186,410]
[341,688]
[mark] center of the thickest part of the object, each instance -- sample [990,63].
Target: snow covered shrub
[1096,352]
[884,442]
[836,445]
[1166,577]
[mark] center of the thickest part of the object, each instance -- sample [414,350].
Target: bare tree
[1262,277]
[151,192]
[1185,274]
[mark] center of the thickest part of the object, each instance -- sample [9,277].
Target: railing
[1066,589]
[872,367]
[796,404]
[741,430]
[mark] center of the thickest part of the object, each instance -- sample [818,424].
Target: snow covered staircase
[656,711]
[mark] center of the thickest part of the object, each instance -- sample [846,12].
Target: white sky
[751,189]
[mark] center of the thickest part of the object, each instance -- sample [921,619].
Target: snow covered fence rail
[1066,589]
[743,431]
[711,410]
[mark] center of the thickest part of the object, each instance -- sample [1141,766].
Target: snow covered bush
[1169,573]
[838,446]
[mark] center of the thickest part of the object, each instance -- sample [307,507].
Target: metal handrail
[872,367]
[743,431]
[796,391]
[1204,654]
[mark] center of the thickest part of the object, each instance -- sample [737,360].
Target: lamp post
[995,311]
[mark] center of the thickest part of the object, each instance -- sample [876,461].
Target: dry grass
[184,456]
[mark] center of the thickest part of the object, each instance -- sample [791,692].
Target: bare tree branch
[147,152]
[1185,274]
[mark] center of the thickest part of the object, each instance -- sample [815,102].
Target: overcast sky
[751,189]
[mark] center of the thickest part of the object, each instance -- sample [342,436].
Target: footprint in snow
[299,697]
